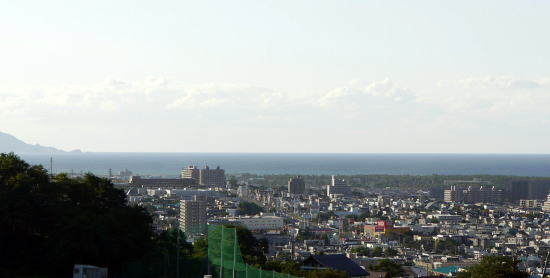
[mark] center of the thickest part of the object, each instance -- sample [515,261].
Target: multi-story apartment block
[193,217]
[212,177]
[191,172]
[338,187]
[296,186]
[473,194]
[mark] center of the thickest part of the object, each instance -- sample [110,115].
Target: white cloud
[358,94]
[377,108]
[501,82]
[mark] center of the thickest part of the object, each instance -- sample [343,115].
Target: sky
[277,76]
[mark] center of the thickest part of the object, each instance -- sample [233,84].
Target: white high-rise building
[546,206]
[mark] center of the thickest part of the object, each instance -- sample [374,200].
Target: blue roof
[342,263]
[447,270]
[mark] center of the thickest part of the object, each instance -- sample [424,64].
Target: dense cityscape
[441,231]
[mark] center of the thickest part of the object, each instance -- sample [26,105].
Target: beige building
[191,172]
[207,177]
[193,217]
[546,206]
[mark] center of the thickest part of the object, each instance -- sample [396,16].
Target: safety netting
[225,257]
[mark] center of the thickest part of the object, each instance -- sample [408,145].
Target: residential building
[338,187]
[160,182]
[473,194]
[383,227]
[546,206]
[528,190]
[296,186]
[193,217]
[259,222]
[334,261]
[191,172]
[243,191]
[212,177]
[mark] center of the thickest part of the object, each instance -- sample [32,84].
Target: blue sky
[277,76]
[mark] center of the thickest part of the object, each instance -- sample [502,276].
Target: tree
[494,267]
[249,208]
[377,252]
[393,269]
[49,224]
[252,250]
[389,252]
[361,251]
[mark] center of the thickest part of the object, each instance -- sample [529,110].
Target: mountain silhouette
[9,143]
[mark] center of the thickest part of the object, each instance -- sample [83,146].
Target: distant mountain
[8,143]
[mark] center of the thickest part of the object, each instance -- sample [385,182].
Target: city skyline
[277,76]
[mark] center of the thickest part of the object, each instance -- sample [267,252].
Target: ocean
[170,164]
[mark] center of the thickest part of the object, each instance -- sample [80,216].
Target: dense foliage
[392,269]
[48,225]
[495,267]
[249,208]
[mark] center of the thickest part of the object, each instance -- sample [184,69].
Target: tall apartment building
[546,205]
[207,177]
[212,177]
[191,172]
[296,186]
[193,217]
[528,190]
[473,194]
[338,187]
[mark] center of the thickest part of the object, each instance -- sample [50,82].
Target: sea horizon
[169,164]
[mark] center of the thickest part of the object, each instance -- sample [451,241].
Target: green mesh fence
[225,257]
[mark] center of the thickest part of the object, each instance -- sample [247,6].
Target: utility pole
[51,167]
[545,264]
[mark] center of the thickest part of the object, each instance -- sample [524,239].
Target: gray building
[193,217]
[160,182]
[296,186]
[212,177]
[527,189]
[473,194]
[338,187]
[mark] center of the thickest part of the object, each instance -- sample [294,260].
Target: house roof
[342,263]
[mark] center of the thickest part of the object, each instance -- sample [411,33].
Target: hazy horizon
[421,77]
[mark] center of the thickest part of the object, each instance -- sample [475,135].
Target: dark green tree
[252,250]
[494,267]
[393,269]
[49,224]
[249,208]
[389,252]
[377,252]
